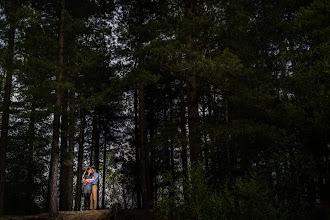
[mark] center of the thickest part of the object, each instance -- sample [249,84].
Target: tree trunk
[72,123]
[104,169]
[80,160]
[91,158]
[64,154]
[206,149]
[66,160]
[193,117]
[167,150]
[30,166]
[97,149]
[151,169]
[227,141]
[31,133]
[192,97]
[2,76]
[5,114]
[53,173]
[144,163]
[137,153]
[283,72]
[170,97]
[183,129]
[96,142]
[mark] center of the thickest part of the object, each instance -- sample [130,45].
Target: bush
[250,197]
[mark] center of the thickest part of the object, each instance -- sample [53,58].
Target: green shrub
[249,197]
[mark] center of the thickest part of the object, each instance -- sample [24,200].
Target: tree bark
[152,130]
[2,76]
[167,150]
[31,132]
[96,141]
[80,160]
[72,123]
[5,114]
[283,72]
[206,149]
[30,166]
[170,97]
[53,173]
[192,97]
[227,141]
[137,150]
[193,117]
[144,163]
[64,154]
[183,129]
[104,169]
[96,132]
[91,158]
[66,172]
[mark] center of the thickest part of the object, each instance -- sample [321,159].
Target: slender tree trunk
[283,72]
[66,160]
[2,76]
[64,154]
[96,141]
[170,97]
[217,160]
[53,173]
[213,151]
[167,151]
[5,114]
[144,163]
[31,132]
[192,97]
[193,117]
[72,123]
[228,138]
[91,158]
[30,169]
[206,149]
[151,151]
[104,169]
[97,150]
[183,129]
[137,150]
[80,160]
[172,167]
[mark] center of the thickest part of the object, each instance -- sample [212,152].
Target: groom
[93,204]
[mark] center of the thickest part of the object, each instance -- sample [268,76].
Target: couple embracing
[89,190]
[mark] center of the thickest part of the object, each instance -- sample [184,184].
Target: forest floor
[102,214]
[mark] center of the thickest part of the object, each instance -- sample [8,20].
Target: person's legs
[88,200]
[95,195]
[93,199]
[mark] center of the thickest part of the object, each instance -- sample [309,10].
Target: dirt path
[65,215]
[94,215]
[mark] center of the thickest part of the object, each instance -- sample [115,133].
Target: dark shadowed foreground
[95,215]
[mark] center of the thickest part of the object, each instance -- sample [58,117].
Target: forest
[200,109]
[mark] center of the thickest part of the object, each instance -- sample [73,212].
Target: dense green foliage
[255,72]
[249,197]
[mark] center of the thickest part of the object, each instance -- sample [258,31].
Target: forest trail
[95,215]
